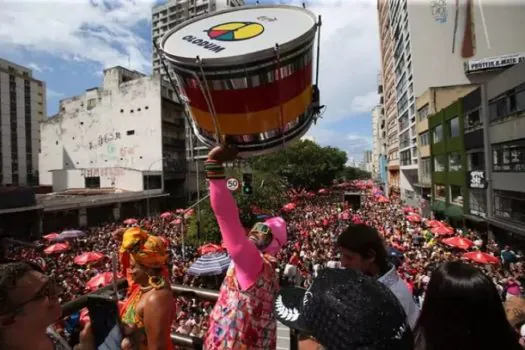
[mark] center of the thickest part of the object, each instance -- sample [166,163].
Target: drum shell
[258,106]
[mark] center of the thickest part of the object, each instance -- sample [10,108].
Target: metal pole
[487,148]
[182,223]
[197,178]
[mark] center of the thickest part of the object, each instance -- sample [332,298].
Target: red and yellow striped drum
[246,75]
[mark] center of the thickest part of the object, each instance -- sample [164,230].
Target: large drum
[246,75]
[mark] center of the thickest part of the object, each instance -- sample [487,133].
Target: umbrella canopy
[414,218]
[176,221]
[289,207]
[481,258]
[69,234]
[51,236]
[458,242]
[442,230]
[100,280]
[433,223]
[210,248]
[130,221]
[212,264]
[88,258]
[57,248]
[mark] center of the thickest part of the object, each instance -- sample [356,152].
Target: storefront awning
[439,206]
[454,212]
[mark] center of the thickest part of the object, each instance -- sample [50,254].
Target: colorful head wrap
[147,250]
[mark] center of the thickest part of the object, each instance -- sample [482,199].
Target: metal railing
[178,339]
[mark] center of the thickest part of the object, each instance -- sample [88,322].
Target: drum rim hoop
[234,60]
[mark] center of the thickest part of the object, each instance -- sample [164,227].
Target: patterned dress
[245,319]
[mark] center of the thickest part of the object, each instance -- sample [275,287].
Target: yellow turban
[145,249]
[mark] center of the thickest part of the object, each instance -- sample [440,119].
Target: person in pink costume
[243,317]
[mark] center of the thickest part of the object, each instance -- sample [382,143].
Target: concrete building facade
[127,134]
[165,17]
[22,107]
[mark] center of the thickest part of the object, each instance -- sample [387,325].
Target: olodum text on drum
[204,43]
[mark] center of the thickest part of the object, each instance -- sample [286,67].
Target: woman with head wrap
[149,307]
[243,317]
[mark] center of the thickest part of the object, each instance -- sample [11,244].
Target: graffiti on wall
[104,139]
[439,10]
[96,172]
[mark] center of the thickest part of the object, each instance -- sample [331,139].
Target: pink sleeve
[245,255]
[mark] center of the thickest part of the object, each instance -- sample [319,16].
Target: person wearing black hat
[346,310]
[363,249]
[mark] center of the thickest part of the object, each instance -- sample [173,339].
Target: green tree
[351,173]
[304,164]
[268,195]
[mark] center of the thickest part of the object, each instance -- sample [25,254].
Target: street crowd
[314,223]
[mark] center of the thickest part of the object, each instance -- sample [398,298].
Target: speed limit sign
[232,184]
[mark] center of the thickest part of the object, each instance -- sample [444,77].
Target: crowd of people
[314,225]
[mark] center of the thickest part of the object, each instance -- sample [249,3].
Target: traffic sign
[232,184]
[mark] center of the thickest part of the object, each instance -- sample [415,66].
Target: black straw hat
[346,310]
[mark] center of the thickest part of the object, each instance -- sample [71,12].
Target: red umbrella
[481,258]
[100,280]
[458,242]
[176,222]
[57,248]
[442,230]
[414,218]
[50,236]
[433,223]
[88,258]
[210,248]
[322,191]
[289,206]
[130,221]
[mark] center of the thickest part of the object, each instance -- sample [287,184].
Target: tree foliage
[351,173]
[304,164]
[268,195]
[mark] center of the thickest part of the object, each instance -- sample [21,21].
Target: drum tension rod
[209,101]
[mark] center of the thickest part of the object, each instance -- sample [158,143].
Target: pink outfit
[243,317]
[245,255]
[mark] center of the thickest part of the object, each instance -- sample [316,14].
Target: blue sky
[69,42]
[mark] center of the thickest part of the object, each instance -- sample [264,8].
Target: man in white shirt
[363,249]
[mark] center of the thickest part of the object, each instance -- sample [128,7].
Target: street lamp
[147,183]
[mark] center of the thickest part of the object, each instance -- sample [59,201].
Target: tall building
[127,134]
[440,44]
[164,18]
[22,107]
[388,91]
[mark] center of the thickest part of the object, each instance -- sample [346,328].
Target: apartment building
[437,44]
[165,17]
[388,92]
[22,107]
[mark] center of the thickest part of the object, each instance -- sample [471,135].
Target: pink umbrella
[50,236]
[166,215]
[414,218]
[176,222]
[88,258]
[130,221]
[458,242]
[100,280]
[433,223]
[442,230]
[289,207]
[481,258]
[57,248]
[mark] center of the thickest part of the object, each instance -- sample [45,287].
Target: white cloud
[54,94]
[78,30]
[353,144]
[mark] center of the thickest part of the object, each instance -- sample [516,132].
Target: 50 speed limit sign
[232,184]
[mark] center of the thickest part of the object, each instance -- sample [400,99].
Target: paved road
[283,337]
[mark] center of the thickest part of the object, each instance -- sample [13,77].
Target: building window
[476,161]
[91,103]
[478,202]
[426,170]
[424,139]
[454,161]
[453,127]
[456,194]
[439,163]
[439,192]
[422,113]
[437,134]
[472,121]
[406,158]
[92,182]
[509,205]
[152,182]
[509,156]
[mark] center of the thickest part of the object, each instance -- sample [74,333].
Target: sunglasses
[264,230]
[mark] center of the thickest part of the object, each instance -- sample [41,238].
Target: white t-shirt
[392,280]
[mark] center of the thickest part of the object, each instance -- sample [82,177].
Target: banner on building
[473,66]
[476,179]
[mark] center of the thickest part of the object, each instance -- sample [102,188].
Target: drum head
[239,35]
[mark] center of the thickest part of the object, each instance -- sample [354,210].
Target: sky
[68,43]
